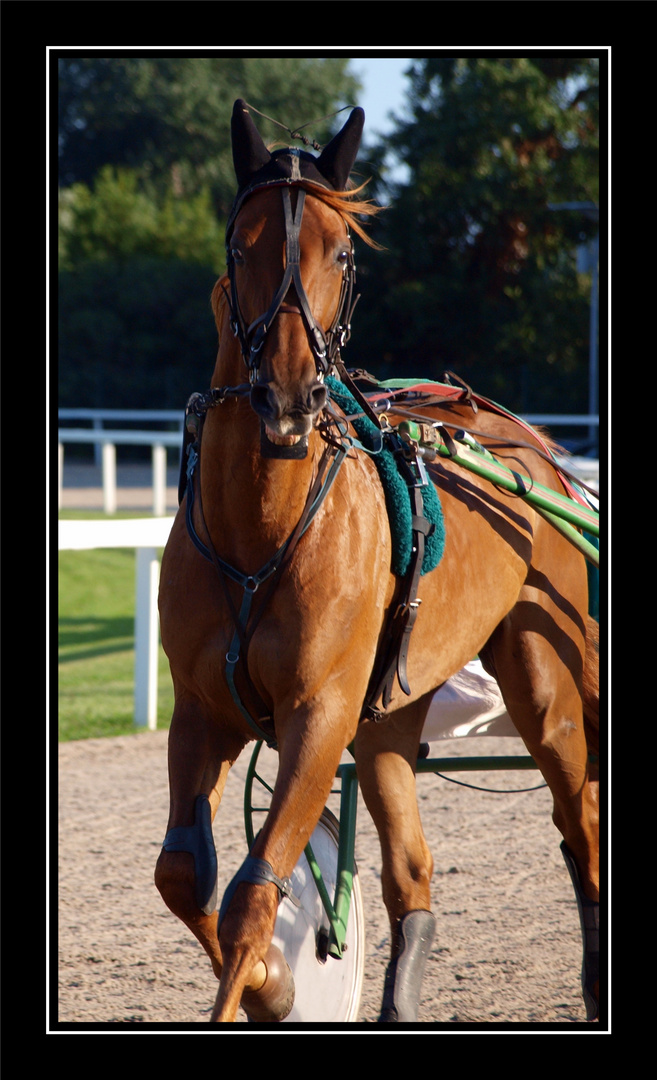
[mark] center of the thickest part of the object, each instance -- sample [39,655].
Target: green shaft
[483,463]
[538,495]
[346,855]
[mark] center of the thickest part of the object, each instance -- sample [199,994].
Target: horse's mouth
[273,445]
[281,440]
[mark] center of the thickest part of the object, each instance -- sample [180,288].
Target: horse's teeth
[281,440]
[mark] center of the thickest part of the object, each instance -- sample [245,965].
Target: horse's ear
[337,159]
[249,151]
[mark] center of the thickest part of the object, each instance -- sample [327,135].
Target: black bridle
[325,345]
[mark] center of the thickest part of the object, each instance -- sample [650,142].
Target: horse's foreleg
[200,757]
[385,758]
[310,745]
[255,973]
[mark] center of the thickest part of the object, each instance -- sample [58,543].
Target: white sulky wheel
[326,990]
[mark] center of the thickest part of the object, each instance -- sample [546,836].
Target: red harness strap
[463,395]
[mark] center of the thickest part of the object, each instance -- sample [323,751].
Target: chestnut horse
[277,591]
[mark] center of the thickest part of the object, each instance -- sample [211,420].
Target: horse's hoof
[275,998]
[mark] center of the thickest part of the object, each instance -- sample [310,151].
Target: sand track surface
[507,946]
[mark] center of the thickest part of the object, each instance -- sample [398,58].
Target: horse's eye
[343,257]
[236,255]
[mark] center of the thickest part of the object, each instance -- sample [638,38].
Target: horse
[284,616]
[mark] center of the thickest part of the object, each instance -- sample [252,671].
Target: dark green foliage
[168,118]
[137,334]
[479,274]
[146,179]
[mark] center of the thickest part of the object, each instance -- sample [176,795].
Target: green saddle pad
[398,502]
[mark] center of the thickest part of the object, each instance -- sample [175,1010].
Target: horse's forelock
[349,207]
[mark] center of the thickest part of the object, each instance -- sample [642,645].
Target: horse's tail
[591,687]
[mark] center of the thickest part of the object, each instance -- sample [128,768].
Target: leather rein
[245,620]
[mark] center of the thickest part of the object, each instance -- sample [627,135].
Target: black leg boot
[401,993]
[589,922]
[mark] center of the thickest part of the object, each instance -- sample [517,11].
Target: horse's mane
[219,302]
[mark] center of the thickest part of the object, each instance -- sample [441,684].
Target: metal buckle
[405,609]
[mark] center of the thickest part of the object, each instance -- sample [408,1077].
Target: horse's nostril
[270,403]
[263,401]
[317,397]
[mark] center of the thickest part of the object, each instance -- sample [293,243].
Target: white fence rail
[99,417]
[108,440]
[146,535]
[105,441]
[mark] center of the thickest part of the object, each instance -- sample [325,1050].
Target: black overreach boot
[401,992]
[589,923]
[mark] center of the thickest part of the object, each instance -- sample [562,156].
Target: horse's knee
[175,881]
[176,875]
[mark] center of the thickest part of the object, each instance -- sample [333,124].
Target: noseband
[325,346]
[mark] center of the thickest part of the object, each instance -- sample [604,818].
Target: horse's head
[291,269]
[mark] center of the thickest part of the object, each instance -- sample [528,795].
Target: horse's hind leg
[540,660]
[386,754]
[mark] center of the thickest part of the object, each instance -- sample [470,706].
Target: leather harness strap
[244,621]
[393,653]
[326,350]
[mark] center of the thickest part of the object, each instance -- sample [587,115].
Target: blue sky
[384,90]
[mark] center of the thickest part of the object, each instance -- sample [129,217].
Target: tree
[169,118]
[115,220]
[135,334]
[480,273]
[146,176]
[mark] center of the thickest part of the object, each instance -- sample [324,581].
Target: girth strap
[394,652]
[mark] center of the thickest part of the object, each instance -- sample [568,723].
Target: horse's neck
[250,503]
